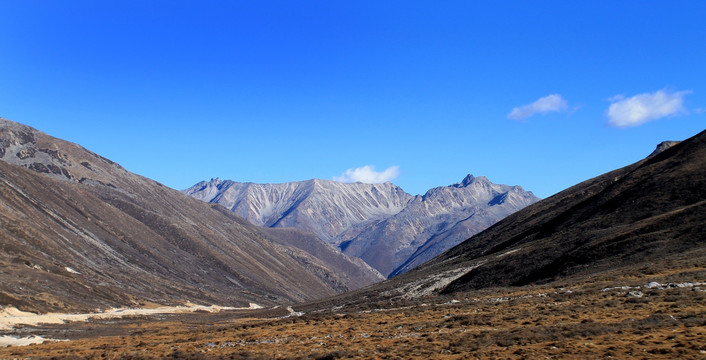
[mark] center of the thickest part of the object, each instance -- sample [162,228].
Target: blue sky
[540,94]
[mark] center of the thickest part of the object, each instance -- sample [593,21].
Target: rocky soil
[658,315]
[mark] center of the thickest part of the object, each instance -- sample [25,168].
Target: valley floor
[660,315]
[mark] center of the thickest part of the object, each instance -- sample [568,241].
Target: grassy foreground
[652,316]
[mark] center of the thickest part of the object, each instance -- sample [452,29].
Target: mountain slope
[435,222]
[643,216]
[645,212]
[379,223]
[352,272]
[323,207]
[79,232]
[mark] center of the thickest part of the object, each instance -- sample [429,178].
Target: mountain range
[79,232]
[610,268]
[648,217]
[388,228]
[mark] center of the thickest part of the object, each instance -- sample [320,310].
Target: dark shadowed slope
[643,215]
[79,232]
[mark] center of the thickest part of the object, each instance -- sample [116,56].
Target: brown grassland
[603,316]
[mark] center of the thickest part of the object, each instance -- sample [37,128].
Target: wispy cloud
[549,103]
[641,108]
[367,174]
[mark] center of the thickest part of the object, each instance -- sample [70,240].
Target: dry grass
[581,321]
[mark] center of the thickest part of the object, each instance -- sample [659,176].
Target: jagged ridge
[380,223]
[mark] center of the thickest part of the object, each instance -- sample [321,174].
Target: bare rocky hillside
[79,232]
[389,229]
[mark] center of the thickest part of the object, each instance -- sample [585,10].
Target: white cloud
[549,103]
[367,174]
[641,108]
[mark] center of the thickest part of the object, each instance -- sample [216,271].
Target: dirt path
[11,317]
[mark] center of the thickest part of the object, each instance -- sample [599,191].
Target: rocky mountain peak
[470,180]
[664,145]
[324,207]
[25,146]
[379,223]
[466,181]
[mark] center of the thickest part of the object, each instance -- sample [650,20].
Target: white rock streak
[11,316]
[6,340]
